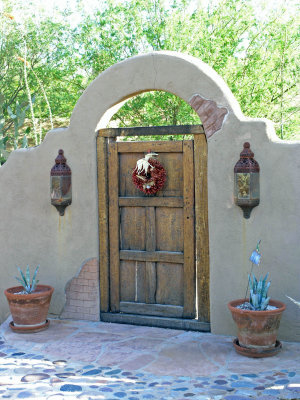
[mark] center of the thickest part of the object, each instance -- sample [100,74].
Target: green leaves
[257,57]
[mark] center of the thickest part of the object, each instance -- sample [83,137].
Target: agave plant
[25,281]
[259,292]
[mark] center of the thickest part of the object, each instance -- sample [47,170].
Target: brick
[88,303]
[71,315]
[72,287]
[76,302]
[83,282]
[82,294]
[78,288]
[91,268]
[212,116]
[70,309]
[80,315]
[92,296]
[93,283]
[95,310]
[90,275]
[81,310]
[75,281]
[87,317]
[77,296]
[92,261]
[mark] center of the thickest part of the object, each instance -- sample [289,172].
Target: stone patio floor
[97,360]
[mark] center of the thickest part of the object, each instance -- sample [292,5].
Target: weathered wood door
[148,258]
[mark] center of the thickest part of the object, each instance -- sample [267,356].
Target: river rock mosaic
[37,375]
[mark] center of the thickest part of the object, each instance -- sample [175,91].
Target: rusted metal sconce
[246,181]
[60,184]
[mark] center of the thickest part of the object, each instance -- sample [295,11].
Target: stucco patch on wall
[212,116]
[82,294]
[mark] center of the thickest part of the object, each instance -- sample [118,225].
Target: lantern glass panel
[254,186]
[61,190]
[242,184]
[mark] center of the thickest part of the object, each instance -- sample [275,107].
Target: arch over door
[154,250]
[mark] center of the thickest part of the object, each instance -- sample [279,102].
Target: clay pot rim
[46,291]
[276,303]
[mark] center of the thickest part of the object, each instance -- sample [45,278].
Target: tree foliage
[257,57]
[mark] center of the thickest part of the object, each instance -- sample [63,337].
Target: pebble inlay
[28,375]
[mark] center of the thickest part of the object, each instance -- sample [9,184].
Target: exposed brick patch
[82,294]
[211,115]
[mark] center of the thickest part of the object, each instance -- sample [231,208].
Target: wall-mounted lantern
[60,184]
[246,181]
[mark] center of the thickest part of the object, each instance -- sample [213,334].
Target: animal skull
[143,164]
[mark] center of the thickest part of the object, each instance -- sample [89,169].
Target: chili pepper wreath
[149,175]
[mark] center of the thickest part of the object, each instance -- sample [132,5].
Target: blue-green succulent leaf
[27,275]
[22,275]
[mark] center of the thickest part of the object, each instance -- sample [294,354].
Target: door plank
[173,323]
[169,229]
[103,223]
[113,189]
[150,294]
[188,230]
[151,309]
[176,202]
[154,256]
[132,281]
[150,246]
[127,280]
[150,229]
[133,228]
[158,147]
[152,130]
[140,279]
[172,162]
[170,281]
[201,228]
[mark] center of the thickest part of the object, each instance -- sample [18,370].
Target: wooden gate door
[148,257]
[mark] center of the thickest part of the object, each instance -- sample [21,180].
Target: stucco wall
[32,232]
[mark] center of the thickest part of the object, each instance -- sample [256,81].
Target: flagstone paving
[97,360]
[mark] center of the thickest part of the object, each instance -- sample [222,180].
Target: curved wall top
[182,75]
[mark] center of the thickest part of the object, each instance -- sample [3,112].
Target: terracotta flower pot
[29,311]
[257,330]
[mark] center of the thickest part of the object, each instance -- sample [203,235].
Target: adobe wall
[32,232]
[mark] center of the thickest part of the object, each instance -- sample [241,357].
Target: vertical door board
[201,228]
[150,246]
[113,190]
[188,230]
[103,224]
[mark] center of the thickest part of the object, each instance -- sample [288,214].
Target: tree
[257,58]
[36,66]
[49,61]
